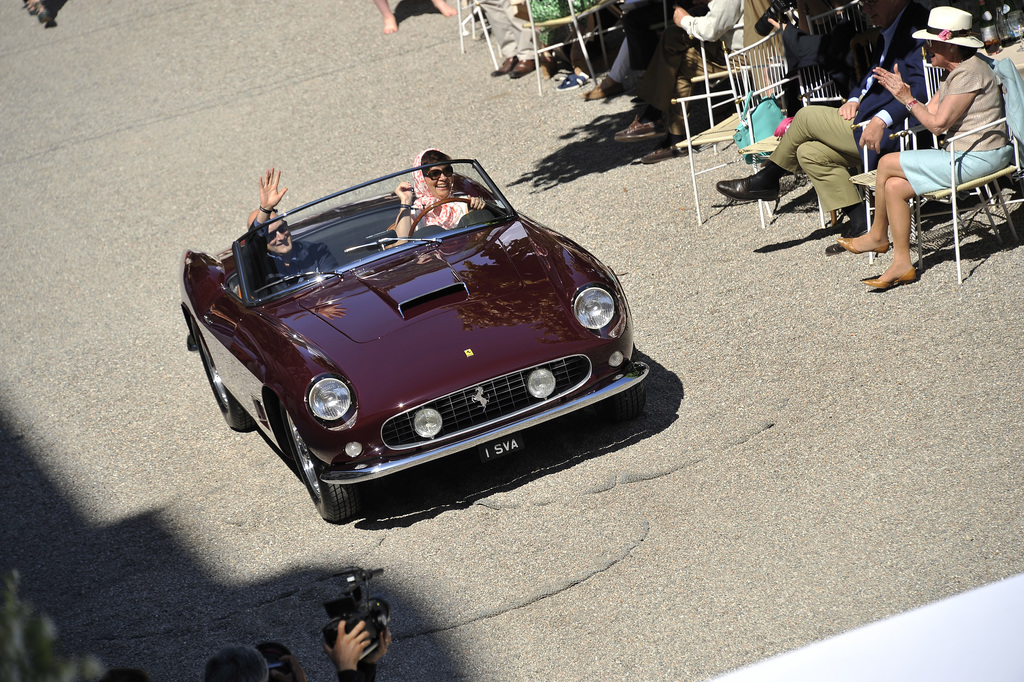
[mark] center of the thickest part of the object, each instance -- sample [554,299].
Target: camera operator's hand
[348,647]
[382,648]
[297,674]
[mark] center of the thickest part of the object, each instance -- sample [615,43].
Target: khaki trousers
[820,142]
[675,62]
[513,40]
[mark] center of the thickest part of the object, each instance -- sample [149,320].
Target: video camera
[354,605]
[775,11]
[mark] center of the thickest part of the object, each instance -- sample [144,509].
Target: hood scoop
[409,286]
[450,294]
[405,288]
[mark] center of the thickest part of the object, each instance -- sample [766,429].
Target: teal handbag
[764,119]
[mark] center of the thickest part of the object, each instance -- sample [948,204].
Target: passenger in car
[430,187]
[286,256]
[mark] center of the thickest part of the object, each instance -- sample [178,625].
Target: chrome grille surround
[487,402]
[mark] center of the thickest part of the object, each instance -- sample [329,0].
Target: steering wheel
[412,230]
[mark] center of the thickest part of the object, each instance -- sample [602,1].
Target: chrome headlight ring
[594,307]
[331,400]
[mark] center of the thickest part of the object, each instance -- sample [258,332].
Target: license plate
[502,447]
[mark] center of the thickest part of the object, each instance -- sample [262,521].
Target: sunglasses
[435,173]
[281,227]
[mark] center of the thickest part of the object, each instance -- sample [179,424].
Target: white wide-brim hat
[949,25]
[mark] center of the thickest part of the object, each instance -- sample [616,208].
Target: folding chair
[992,196]
[758,70]
[816,86]
[572,20]
[717,133]
[824,23]
[475,14]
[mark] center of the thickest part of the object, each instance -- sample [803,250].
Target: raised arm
[403,223]
[270,195]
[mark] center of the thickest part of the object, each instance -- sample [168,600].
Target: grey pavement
[814,456]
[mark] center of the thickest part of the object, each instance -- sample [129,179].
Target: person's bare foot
[444,8]
[390,25]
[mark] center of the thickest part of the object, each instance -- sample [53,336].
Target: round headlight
[540,383]
[427,422]
[329,399]
[594,307]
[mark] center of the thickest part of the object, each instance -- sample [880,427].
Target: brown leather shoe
[638,131]
[607,88]
[506,67]
[522,68]
[906,278]
[848,245]
[663,154]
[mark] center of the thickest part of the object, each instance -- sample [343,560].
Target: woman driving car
[434,191]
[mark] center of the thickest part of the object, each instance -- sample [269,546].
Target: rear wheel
[334,502]
[234,414]
[626,405]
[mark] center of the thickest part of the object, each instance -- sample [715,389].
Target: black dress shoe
[506,67]
[742,191]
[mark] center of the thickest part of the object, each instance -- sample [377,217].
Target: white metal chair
[474,15]
[722,132]
[992,196]
[759,70]
[816,86]
[581,34]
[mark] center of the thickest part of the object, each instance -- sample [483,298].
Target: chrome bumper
[634,375]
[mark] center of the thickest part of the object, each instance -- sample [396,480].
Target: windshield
[335,233]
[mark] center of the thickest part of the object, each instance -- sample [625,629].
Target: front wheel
[628,404]
[334,502]
[234,414]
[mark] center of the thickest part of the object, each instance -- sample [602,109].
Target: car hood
[373,301]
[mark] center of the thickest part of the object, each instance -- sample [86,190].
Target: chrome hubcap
[305,459]
[219,391]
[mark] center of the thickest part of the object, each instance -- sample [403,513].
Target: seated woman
[430,186]
[970,96]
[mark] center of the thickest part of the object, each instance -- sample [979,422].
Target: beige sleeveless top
[974,75]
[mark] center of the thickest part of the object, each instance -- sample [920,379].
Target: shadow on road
[981,242]
[131,593]
[591,148]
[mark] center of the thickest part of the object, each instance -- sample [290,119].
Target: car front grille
[486,402]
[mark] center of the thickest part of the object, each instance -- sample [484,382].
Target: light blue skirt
[928,169]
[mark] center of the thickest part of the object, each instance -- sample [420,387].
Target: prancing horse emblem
[479,397]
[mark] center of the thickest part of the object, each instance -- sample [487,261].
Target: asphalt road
[814,456]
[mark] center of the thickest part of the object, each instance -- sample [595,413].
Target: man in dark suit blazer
[820,141]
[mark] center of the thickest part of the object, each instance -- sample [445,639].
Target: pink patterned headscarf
[446,216]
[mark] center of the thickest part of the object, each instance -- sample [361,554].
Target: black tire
[234,414]
[336,503]
[626,405]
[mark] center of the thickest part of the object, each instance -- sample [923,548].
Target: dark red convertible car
[386,353]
